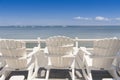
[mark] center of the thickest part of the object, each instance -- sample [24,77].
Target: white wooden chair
[116,64]
[2,65]
[104,53]
[61,54]
[16,57]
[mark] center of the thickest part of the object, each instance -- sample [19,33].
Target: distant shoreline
[31,26]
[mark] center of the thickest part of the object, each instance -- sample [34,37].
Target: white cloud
[100,18]
[97,18]
[81,18]
[78,17]
[117,18]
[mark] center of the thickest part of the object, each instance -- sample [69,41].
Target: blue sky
[59,12]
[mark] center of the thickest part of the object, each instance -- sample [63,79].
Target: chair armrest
[87,60]
[46,50]
[75,51]
[35,50]
[83,49]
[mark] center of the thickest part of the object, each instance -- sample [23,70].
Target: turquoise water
[32,32]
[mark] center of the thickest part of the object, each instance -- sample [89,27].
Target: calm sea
[32,32]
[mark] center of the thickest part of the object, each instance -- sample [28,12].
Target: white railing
[43,40]
[76,40]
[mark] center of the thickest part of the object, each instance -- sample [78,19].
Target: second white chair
[61,54]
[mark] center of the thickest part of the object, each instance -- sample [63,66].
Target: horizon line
[60,25]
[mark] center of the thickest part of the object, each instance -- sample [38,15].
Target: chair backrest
[62,62]
[59,45]
[105,48]
[12,50]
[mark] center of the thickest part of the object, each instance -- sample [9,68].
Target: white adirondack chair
[2,64]
[61,53]
[16,57]
[116,64]
[104,53]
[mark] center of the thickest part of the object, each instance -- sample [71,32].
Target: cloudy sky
[59,12]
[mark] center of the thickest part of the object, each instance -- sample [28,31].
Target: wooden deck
[63,75]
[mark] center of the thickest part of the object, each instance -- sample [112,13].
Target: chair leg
[47,74]
[30,72]
[4,75]
[87,76]
[87,73]
[73,74]
[114,73]
[36,70]
[73,70]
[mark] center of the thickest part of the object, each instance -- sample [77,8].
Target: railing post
[76,42]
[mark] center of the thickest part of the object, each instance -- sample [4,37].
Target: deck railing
[30,43]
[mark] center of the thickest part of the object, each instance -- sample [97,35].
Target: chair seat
[17,77]
[107,79]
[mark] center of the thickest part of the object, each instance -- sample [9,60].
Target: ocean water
[82,32]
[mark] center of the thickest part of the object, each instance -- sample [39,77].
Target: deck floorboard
[63,74]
